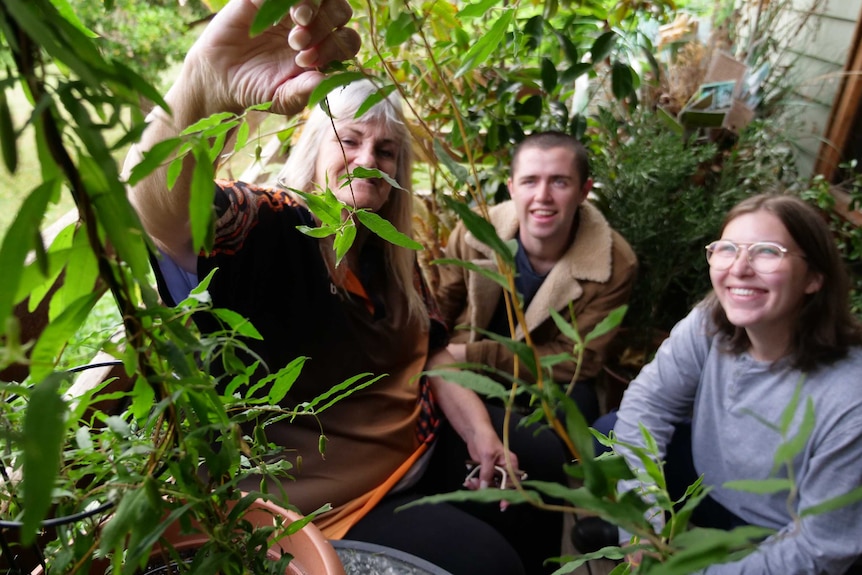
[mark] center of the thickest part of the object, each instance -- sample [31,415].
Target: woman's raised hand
[227,70]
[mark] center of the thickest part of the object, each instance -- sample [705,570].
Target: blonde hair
[299,170]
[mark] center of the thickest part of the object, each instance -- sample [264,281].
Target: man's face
[546,189]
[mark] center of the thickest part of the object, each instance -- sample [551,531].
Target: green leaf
[269,14]
[569,48]
[602,46]
[43,432]
[790,448]
[567,329]
[284,379]
[201,199]
[487,495]
[611,322]
[789,412]
[17,242]
[575,71]
[372,100]
[80,278]
[384,229]
[482,229]
[54,337]
[399,30]
[152,159]
[849,498]
[121,224]
[68,13]
[135,516]
[579,432]
[139,84]
[330,83]
[476,9]
[340,391]
[485,46]
[622,80]
[524,352]
[208,123]
[38,21]
[549,75]
[8,137]
[344,240]
[143,397]
[492,275]
[534,30]
[319,232]
[761,486]
[547,361]
[241,325]
[174,170]
[370,173]
[242,136]
[481,384]
[326,207]
[460,172]
[700,548]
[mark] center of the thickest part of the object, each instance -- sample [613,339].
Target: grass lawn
[104,320]
[14,188]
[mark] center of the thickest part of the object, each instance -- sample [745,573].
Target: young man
[567,254]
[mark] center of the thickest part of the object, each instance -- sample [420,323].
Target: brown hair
[552,139]
[825,327]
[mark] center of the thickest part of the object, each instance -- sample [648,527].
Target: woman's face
[362,145]
[764,304]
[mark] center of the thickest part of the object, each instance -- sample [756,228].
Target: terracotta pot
[312,553]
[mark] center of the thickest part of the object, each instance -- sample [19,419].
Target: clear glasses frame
[763,257]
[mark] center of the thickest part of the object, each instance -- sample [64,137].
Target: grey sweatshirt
[736,404]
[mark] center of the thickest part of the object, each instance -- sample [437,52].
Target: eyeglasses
[763,257]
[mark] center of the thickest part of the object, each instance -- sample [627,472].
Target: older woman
[777,321]
[370,314]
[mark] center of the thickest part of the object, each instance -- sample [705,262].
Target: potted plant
[292,545]
[125,483]
[105,473]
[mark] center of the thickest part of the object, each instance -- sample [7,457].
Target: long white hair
[299,170]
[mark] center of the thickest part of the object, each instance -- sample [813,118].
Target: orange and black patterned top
[276,276]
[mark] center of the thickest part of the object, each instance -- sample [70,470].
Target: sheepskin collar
[589,258]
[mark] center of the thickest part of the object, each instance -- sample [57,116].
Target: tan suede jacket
[596,274]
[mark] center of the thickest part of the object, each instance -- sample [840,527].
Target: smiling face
[547,190]
[366,145]
[765,305]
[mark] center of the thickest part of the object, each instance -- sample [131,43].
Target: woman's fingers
[314,25]
[302,13]
[341,44]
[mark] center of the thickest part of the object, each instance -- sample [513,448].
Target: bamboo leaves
[42,438]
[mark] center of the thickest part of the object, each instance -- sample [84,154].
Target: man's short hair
[554,139]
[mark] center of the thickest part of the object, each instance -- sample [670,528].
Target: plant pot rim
[312,553]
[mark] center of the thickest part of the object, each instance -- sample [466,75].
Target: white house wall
[822,55]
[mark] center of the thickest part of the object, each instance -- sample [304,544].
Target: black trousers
[473,538]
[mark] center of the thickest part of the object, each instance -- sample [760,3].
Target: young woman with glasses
[777,323]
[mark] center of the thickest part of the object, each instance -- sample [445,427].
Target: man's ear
[588,185]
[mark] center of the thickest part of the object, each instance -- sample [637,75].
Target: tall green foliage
[476,76]
[136,449]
